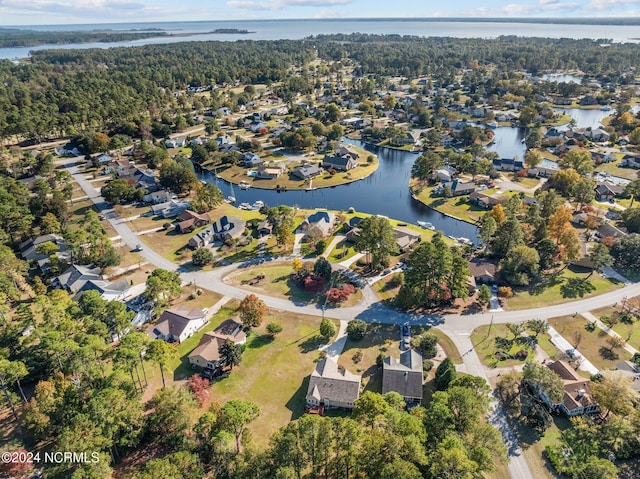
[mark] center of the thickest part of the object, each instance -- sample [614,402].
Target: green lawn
[278,283]
[590,342]
[614,169]
[484,342]
[342,252]
[458,207]
[554,292]
[274,373]
[380,338]
[388,287]
[630,332]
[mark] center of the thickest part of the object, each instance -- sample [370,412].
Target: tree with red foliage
[313,284]
[199,387]
[340,295]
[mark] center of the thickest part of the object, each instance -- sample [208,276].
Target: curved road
[370,309]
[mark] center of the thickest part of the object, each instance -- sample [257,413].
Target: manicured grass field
[484,341]
[553,294]
[342,252]
[388,287]
[590,342]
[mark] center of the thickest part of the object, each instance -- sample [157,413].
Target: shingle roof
[174,321]
[332,383]
[403,376]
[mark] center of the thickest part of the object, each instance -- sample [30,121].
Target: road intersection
[457,326]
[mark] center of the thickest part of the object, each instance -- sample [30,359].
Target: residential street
[457,326]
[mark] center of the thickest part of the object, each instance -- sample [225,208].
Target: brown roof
[481,268]
[208,347]
[192,215]
[174,321]
[577,390]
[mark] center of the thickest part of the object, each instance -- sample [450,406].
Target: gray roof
[174,321]
[76,276]
[403,376]
[328,382]
[228,225]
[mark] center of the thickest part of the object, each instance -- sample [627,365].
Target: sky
[48,12]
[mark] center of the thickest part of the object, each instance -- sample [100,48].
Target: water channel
[386,191]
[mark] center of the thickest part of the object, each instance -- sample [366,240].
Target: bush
[274,328]
[505,292]
[320,247]
[327,328]
[358,356]
[201,257]
[340,295]
[313,284]
[356,329]
[427,365]
[380,359]
[426,344]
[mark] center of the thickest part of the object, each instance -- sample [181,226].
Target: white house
[178,324]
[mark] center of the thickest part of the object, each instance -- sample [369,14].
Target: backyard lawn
[496,346]
[590,343]
[274,373]
[557,290]
[380,338]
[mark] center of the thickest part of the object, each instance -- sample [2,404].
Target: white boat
[426,225]
[464,240]
[257,205]
[606,108]
[244,206]
[492,124]
[244,185]
[232,197]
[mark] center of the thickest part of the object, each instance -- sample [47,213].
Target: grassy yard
[342,252]
[557,292]
[286,361]
[388,287]
[629,331]
[590,343]
[277,283]
[380,338]
[614,169]
[484,341]
[459,206]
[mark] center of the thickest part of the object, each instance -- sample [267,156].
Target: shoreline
[415,198]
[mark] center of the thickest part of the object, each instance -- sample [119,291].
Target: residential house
[264,229]
[190,220]
[577,399]
[487,201]
[271,171]
[118,167]
[200,140]
[156,197]
[444,174]
[175,142]
[207,354]
[305,172]
[228,228]
[482,270]
[405,237]
[403,376]
[77,279]
[224,140]
[178,324]
[507,164]
[67,150]
[631,161]
[170,209]
[332,386]
[256,126]
[608,191]
[458,188]
[29,250]
[200,240]
[250,160]
[607,230]
[320,224]
[103,158]
[342,160]
[599,157]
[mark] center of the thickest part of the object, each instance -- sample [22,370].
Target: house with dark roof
[228,228]
[403,376]
[250,160]
[319,223]
[482,270]
[577,398]
[305,172]
[178,324]
[487,201]
[264,229]
[78,279]
[200,240]
[607,230]
[332,386]
[608,191]
[458,188]
[207,353]
[405,237]
[29,250]
[189,220]
[343,159]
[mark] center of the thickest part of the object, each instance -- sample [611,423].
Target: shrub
[505,292]
[340,295]
[356,329]
[427,365]
[313,284]
[426,344]
[380,359]
[357,357]
[327,328]
[274,328]
[201,257]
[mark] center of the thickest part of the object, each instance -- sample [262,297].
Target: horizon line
[613,20]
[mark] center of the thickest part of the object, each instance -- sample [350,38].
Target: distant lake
[297,29]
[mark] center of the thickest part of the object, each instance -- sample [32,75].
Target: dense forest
[62,92]
[10,37]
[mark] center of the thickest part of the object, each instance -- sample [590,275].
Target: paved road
[457,326]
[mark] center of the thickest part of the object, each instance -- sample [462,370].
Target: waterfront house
[305,172]
[332,386]
[342,160]
[459,188]
[200,240]
[319,223]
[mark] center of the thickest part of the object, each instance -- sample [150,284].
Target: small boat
[426,225]
[244,185]
[492,124]
[606,108]
[464,240]
[244,206]
[232,197]
[257,205]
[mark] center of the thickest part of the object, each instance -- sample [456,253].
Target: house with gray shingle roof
[178,324]
[403,376]
[332,386]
